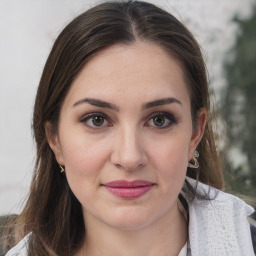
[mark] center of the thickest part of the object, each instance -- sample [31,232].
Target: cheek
[84,161]
[171,159]
[173,147]
[82,156]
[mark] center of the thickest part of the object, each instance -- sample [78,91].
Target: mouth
[129,189]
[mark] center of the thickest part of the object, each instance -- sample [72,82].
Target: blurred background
[226,32]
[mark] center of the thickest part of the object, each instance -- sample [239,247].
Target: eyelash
[89,117]
[167,117]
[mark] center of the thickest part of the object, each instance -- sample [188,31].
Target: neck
[165,237]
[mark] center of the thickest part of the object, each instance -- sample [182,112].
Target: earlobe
[54,143]
[198,131]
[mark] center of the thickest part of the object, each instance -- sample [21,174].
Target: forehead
[140,70]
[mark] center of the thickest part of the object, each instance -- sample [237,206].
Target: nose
[129,152]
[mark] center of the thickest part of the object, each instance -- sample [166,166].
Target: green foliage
[240,107]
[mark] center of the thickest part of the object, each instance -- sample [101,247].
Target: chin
[129,219]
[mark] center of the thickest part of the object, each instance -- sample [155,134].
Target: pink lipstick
[128,189]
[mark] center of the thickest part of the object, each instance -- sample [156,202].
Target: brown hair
[52,211]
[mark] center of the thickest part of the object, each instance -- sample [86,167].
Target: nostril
[119,166]
[129,167]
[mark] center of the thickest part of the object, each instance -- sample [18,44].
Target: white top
[216,227]
[21,248]
[219,227]
[184,250]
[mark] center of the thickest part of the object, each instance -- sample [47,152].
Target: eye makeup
[161,120]
[95,120]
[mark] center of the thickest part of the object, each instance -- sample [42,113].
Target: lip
[129,189]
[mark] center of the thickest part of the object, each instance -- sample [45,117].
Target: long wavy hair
[52,212]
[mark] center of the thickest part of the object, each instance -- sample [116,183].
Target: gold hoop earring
[62,169]
[195,163]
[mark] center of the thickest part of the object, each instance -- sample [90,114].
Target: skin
[129,144]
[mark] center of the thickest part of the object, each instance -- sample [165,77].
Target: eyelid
[86,117]
[91,114]
[167,115]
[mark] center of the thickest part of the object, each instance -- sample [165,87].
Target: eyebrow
[161,102]
[104,104]
[97,103]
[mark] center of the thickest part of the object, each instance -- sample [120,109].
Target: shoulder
[21,248]
[219,226]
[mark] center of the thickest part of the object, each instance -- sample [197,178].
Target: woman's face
[125,135]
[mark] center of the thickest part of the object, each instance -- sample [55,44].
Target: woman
[126,159]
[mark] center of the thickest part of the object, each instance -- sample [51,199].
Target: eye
[95,120]
[161,120]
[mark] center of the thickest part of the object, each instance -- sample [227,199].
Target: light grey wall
[27,31]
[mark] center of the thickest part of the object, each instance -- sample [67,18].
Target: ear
[54,143]
[198,131]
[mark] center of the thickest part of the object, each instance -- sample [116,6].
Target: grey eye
[159,120]
[95,120]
